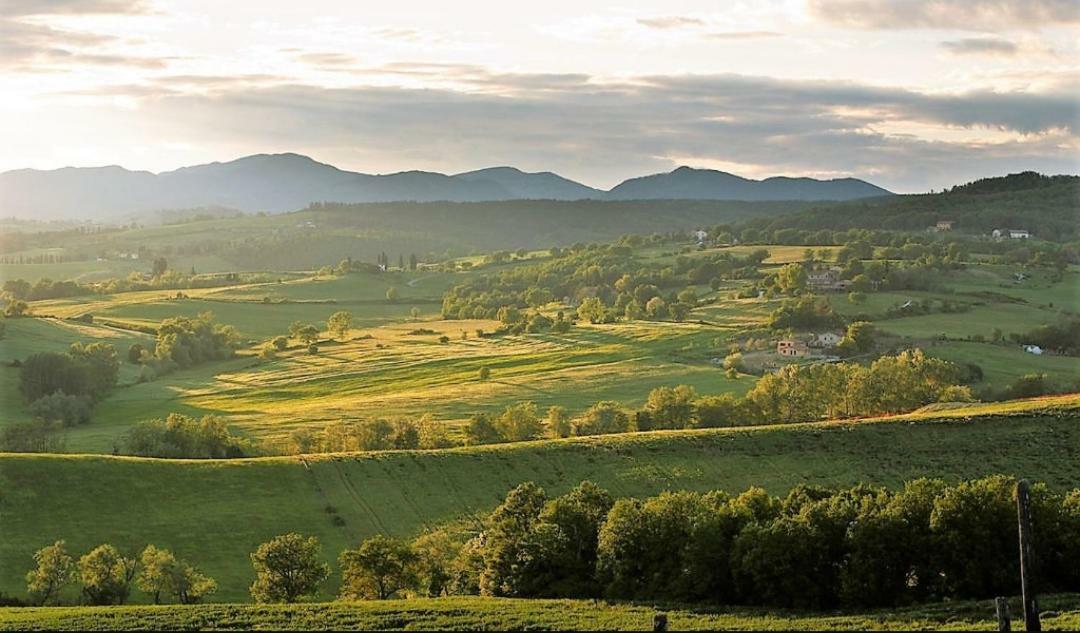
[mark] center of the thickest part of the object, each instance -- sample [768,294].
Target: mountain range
[284,182]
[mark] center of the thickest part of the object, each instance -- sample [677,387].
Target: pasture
[24,337]
[219,511]
[379,369]
[388,371]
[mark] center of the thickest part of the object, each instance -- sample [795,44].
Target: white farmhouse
[1013,234]
[827,339]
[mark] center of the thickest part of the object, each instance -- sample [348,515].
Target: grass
[1008,317]
[1003,364]
[92,270]
[472,613]
[390,373]
[307,299]
[24,337]
[219,511]
[385,371]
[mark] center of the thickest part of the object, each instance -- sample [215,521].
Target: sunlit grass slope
[218,511]
[390,371]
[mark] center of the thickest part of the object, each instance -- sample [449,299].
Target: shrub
[135,353]
[62,409]
[602,418]
[181,436]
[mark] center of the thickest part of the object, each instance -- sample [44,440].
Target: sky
[911,95]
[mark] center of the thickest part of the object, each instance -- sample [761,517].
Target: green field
[29,336]
[395,373]
[1003,364]
[381,370]
[306,299]
[428,614]
[219,511]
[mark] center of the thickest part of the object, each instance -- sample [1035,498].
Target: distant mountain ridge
[708,184]
[284,182]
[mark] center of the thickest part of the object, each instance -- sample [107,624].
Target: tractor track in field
[323,496]
[358,498]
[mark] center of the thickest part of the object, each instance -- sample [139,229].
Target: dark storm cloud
[603,131]
[985,15]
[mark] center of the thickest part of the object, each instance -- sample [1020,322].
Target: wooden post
[1027,557]
[1001,607]
[659,622]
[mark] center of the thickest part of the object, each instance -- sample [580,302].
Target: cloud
[601,132]
[390,33]
[327,61]
[29,45]
[742,35]
[16,8]
[981,46]
[670,22]
[971,15]
[219,81]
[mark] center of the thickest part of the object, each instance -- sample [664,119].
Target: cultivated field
[428,614]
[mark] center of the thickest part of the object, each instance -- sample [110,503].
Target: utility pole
[1027,557]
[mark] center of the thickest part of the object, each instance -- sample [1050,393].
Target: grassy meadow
[433,614]
[387,371]
[220,510]
[381,369]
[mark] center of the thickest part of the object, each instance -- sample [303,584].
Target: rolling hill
[284,182]
[219,511]
[1047,206]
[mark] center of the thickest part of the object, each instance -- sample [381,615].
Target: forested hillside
[1047,206]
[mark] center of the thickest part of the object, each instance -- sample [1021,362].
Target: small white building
[827,339]
[1033,349]
[1013,234]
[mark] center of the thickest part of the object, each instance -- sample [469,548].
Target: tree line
[814,548]
[891,384]
[157,279]
[105,576]
[606,281]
